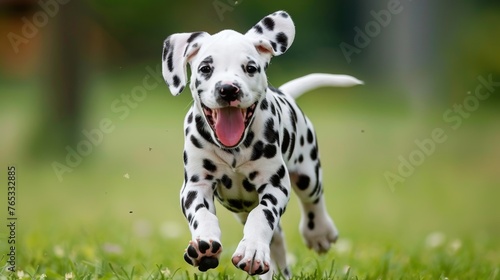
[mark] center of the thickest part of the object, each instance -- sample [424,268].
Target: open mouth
[229,123]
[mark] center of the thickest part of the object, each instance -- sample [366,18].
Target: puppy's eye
[205,69]
[251,69]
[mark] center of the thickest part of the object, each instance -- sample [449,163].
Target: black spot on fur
[249,187]
[283,14]
[197,83]
[209,165]
[314,153]
[183,209]
[195,225]
[269,218]
[273,109]
[273,44]
[286,141]
[301,158]
[301,140]
[281,172]
[268,23]
[200,127]
[258,150]
[191,196]
[264,105]
[226,181]
[199,206]
[258,29]
[270,134]
[208,60]
[190,118]
[292,145]
[248,139]
[209,177]
[248,203]
[185,157]
[235,204]
[270,151]
[310,224]
[193,36]
[286,271]
[303,182]
[195,142]
[194,178]
[261,188]
[275,180]
[310,136]
[177,81]
[166,48]
[170,61]
[282,40]
[271,198]
[252,175]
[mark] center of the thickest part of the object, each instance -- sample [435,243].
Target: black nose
[229,92]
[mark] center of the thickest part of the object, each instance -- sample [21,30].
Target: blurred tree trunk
[62,81]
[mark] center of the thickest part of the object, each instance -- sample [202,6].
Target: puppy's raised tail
[297,87]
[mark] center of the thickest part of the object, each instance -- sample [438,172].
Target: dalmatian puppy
[247,145]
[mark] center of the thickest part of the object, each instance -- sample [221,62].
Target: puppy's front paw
[252,257]
[319,233]
[203,254]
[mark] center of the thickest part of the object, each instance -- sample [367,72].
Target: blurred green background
[68,66]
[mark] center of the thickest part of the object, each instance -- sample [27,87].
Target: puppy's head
[227,72]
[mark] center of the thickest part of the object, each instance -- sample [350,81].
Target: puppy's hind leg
[316,226]
[278,254]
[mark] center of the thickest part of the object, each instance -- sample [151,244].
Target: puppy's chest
[236,192]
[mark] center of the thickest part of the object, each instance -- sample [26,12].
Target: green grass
[441,223]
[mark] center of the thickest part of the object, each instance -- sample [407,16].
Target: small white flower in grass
[455,245]
[142,228]
[68,276]
[43,276]
[292,259]
[166,272]
[112,248]
[171,230]
[58,251]
[343,246]
[126,176]
[435,239]
[20,274]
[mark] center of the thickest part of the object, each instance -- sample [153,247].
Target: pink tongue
[230,126]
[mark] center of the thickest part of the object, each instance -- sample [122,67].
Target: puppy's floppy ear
[273,35]
[178,50]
